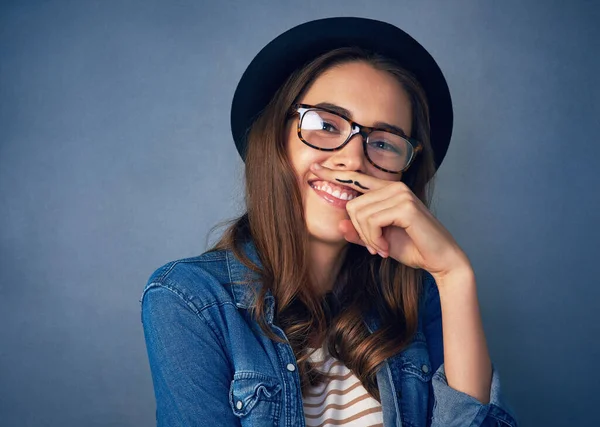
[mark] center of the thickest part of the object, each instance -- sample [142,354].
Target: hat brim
[271,67]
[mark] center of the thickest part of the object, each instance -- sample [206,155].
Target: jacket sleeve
[190,372]
[453,408]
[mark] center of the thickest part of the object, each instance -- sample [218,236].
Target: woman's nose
[352,156]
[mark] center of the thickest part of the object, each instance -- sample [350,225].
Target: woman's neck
[325,262]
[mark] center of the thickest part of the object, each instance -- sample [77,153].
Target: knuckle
[410,206]
[373,219]
[399,187]
[351,205]
[404,198]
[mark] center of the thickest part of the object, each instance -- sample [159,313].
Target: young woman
[337,298]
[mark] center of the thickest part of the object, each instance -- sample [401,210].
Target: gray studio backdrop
[116,157]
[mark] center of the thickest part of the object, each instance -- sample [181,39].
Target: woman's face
[370,96]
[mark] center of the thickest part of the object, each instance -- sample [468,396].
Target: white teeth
[335,193]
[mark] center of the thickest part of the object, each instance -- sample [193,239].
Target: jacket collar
[244,290]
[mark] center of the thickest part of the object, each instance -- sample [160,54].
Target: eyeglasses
[326,130]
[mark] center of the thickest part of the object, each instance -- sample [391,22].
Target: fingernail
[381,254]
[316,166]
[371,250]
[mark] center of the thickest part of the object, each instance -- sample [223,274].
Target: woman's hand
[389,219]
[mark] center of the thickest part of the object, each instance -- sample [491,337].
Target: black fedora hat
[294,48]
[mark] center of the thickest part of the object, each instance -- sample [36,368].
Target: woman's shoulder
[198,280]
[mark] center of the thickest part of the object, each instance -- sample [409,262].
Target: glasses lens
[323,129]
[389,151]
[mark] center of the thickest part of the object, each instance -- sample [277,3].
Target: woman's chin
[332,236]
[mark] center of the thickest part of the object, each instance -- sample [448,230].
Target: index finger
[359,181]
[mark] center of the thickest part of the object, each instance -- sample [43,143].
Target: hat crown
[289,51]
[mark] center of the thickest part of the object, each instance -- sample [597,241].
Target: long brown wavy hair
[277,227]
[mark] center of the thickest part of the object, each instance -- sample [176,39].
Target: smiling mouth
[341,192]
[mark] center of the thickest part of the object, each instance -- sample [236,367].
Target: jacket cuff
[455,408]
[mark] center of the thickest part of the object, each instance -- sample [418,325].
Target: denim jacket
[212,365]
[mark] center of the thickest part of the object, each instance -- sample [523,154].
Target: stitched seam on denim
[246,374]
[218,304]
[166,282]
[475,422]
[197,309]
[441,377]
[286,392]
[394,392]
[196,259]
[228,268]
[503,416]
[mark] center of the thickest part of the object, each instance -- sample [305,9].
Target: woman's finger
[361,182]
[371,232]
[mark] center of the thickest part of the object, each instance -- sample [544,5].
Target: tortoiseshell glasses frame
[355,128]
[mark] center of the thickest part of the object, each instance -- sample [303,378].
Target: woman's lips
[332,201]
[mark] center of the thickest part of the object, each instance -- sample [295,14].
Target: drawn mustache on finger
[349,181]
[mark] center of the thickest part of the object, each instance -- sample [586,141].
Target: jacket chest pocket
[255,398]
[416,375]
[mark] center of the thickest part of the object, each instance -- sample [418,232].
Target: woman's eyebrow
[347,113]
[335,108]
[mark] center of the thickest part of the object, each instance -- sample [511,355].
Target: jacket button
[239,404]
[291,367]
[425,368]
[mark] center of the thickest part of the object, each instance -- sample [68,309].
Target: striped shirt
[341,400]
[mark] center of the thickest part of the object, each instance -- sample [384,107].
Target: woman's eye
[328,127]
[382,145]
